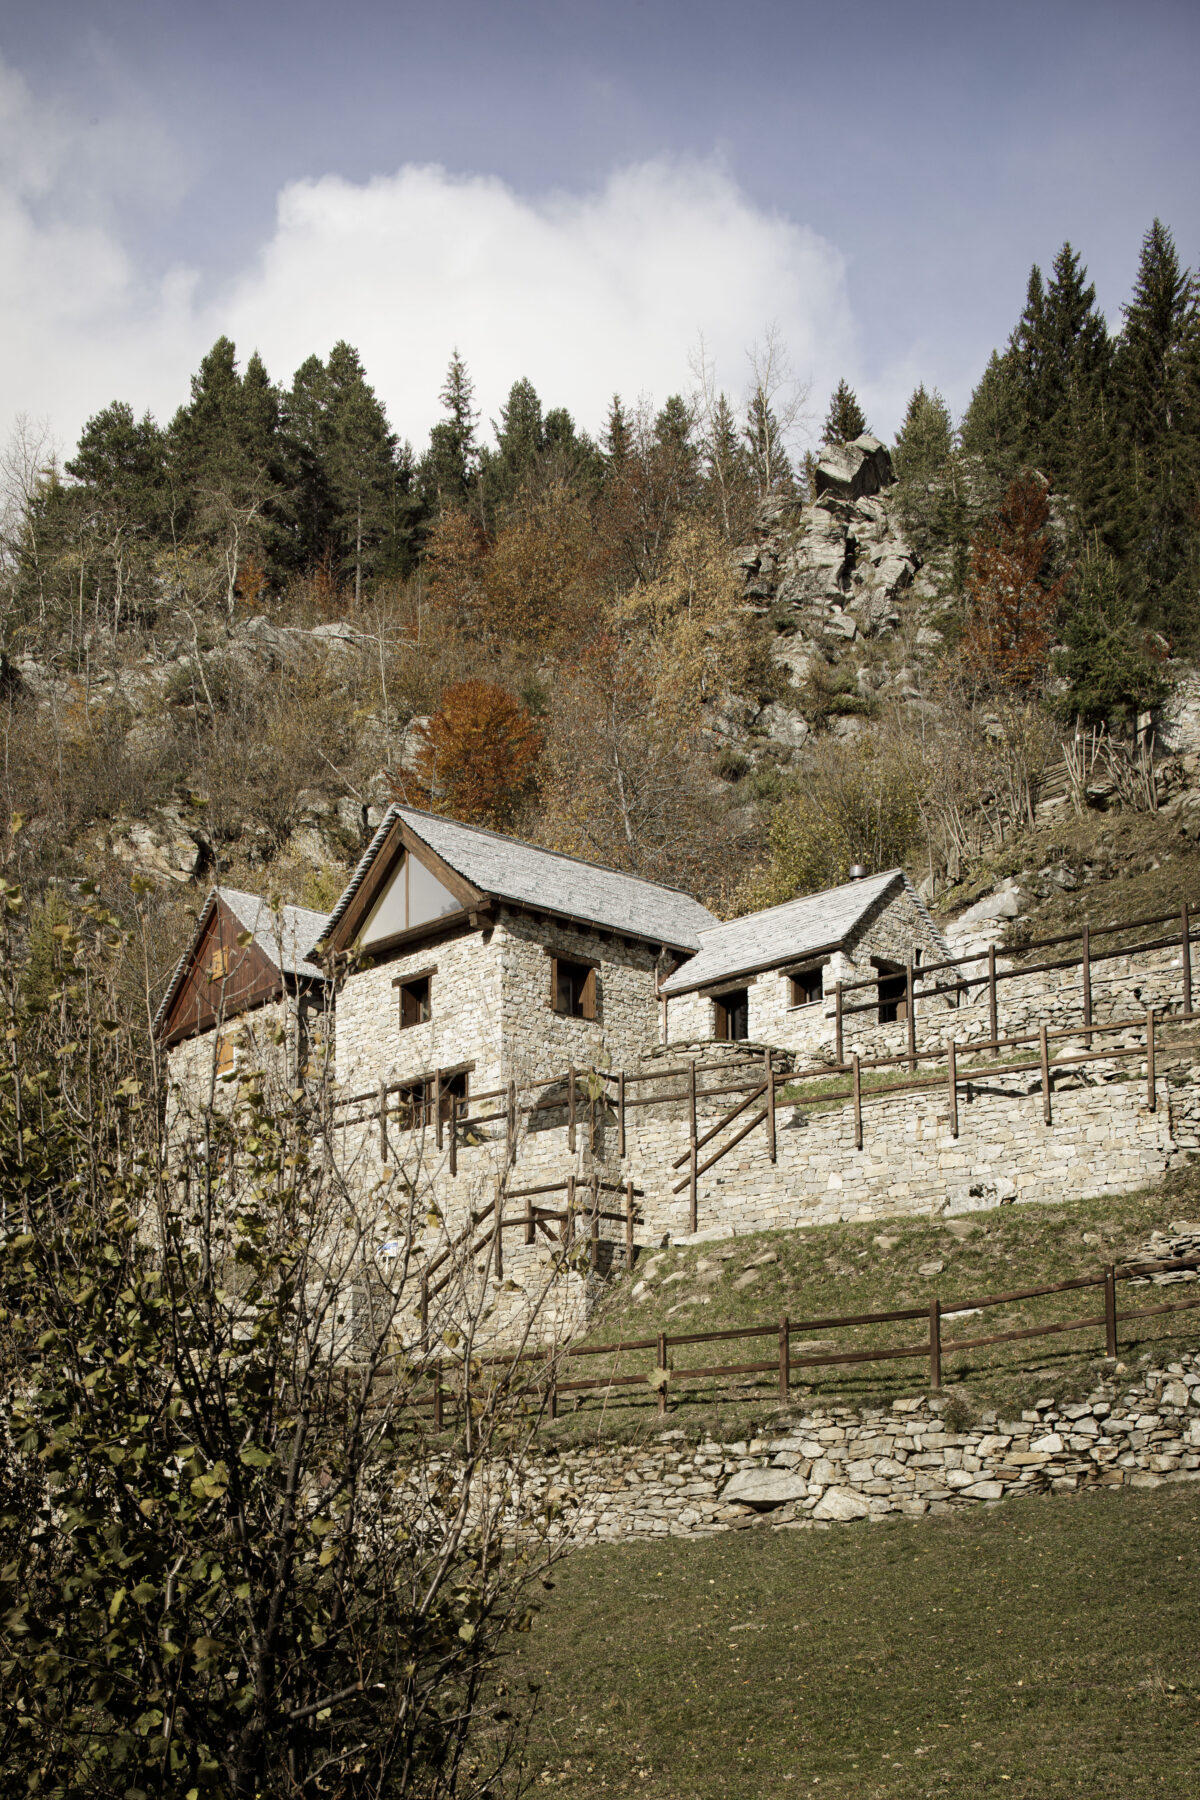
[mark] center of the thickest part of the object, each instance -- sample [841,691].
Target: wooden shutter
[589,995]
[219,965]
[553,983]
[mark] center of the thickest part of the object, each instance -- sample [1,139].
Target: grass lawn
[1038,1649]
[837,1270]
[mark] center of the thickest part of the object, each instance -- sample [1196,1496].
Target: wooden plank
[734,1141]
[662,1363]
[1045,1062]
[770,1106]
[1110,1311]
[1151,1084]
[856,1077]
[725,1119]
[935,1344]
[1185,944]
[629,1225]
[571,1109]
[383,1130]
[621,1115]
[952,1083]
[910,1014]
[991,979]
[783,1358]
[695,1149]
[837,1030]
[1086,969]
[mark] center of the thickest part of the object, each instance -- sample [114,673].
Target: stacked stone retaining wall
[830,1465]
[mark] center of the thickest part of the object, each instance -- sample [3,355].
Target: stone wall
[464,1027]
[538,1041]
[1122,988]
[831,1464]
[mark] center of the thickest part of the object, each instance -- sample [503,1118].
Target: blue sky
[576,192]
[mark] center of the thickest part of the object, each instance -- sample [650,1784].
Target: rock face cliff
[836,578]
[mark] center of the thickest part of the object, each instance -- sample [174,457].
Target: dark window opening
[893,994]
[572,988]
[415,1100]
[731,1015]
[806,987]
[415,1001]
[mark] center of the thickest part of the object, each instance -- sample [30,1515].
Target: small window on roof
[731,1015]
[572,988]
[415,1001]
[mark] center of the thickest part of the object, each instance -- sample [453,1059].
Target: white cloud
[581,293]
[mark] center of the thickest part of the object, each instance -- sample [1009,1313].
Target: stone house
[770,977]
[469,960]
[247,970]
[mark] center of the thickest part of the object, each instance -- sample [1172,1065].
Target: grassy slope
[848,1269]
[1043,1648]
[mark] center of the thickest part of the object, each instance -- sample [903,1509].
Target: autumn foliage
[477,758]
[1013,602]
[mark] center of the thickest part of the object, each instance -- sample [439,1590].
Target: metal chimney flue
[858,871]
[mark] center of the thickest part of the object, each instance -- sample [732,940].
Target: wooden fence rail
[933,1348]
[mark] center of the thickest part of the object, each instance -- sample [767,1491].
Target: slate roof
[788,933]
[522,873]
[285,938]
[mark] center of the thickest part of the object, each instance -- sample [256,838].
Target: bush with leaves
[234,1565]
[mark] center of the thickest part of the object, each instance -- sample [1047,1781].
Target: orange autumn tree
[1013,601]
[477,757]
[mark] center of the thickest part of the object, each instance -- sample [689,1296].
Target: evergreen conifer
[844,421]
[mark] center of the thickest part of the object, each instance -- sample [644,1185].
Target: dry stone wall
[832,1465]
[464,1027]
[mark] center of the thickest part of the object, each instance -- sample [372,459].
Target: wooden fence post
[1185,936]
[629,1224]
[952,1080]
[857,1077]
[552,1397]
[530,1227]
[992,1016]
[662,1364]
[1151,1084]
[454,1134]
[571,1108]
[1110,1311]
[694,1214]
[437,1105]
[1086,967]
[837,1014]
[425,1312]
[784,1335]
[910,1012]
[935,1343]
[499,1229]
[383,1135]
[770,1106]
[594,1234]
[568,1228]
[621,1113]
[1045,1053]
[511,1122]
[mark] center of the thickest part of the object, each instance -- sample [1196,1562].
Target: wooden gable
[403,855]
[223,978]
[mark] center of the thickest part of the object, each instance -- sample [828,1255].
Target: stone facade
[895,929]
[832,1465]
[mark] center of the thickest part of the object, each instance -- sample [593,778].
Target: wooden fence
[587,1099]
[920,979]
[931,1349]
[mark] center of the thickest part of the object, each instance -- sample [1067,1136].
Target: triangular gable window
[412,897]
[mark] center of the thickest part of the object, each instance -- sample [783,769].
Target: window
[415,1001]
[219,965]
[572,988]
[415,1100]
[893,993]
[731,1015]
[805,987]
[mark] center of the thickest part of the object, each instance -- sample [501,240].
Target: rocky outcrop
[851,471]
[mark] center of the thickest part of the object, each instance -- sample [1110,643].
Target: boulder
[848,471]
[841,1504]
[765,1487]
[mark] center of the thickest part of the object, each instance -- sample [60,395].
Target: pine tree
[1159,400]
[360,460]
[617,438]
[844,421]
[727,477]
[930,488]
[1111,665]
[770,470]
[449,467]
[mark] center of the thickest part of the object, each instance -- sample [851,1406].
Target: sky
[597,196]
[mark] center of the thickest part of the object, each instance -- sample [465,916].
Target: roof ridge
[764,912]
[583,862]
